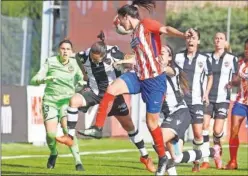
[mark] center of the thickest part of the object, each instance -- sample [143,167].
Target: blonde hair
[228,47]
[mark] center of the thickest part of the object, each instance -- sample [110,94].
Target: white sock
[138,141]
[72,120]
[172,171]
[206,143]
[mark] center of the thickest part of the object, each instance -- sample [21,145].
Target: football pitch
[100,157]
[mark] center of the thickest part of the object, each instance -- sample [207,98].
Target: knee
[218,132]
[206,126]
[152,123]
[76,101]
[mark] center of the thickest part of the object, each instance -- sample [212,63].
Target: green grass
[100,164]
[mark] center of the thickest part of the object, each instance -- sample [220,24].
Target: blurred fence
[17,46]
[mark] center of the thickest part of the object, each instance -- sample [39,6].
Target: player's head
[99,49]
[246,49]
[126,15]
[65,48]
[193,41]
[144,6]
[220,41]
[167,54]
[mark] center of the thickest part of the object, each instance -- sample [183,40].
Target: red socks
[158,141]
[233,148]
[104,108]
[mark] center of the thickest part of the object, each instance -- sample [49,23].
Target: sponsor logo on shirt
[200,64]
[199,112]
[222,111]
[226,64]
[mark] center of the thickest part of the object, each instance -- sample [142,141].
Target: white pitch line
[91,153]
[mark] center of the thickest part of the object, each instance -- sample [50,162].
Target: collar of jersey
[58,57]
[196,55]
[221,57]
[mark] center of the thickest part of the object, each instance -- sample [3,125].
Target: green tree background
[209,20]
[32,10]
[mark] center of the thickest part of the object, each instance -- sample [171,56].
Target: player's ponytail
[183,82]
[147,4]
[101,36]
[228,47]
[100,46]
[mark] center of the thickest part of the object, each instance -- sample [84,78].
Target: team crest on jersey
[107,60]
[200,64]
[70,68]
[226,64]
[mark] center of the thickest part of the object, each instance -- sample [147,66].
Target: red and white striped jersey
[243,90]
[146,44]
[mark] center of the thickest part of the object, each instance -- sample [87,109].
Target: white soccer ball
[120,29]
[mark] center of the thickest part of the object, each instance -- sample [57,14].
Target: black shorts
[119,107]
[196,112]
[179,121]
[217,110]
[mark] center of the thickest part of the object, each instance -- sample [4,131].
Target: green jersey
[68,78]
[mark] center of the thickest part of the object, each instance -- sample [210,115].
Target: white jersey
[223,69]
[174,97]
[102,74]
[195,69]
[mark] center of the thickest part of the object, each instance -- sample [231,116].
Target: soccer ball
[119,28]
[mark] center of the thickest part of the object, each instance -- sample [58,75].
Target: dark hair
[183,82]
[147,4]
[99,47]
[246,41]
[198,33]
[128,10]
[65,41]
[170,51]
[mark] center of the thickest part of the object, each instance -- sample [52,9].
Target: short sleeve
[152,25]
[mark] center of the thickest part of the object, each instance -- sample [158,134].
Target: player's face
[192,43]
[246,50]
[96,58]
[65,50]
[125,22]
[166,54]
[219,40]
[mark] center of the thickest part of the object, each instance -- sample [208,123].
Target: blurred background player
[98,63]
[62,77]
[195,65]
[224,66]
[149,79]
[240,108]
